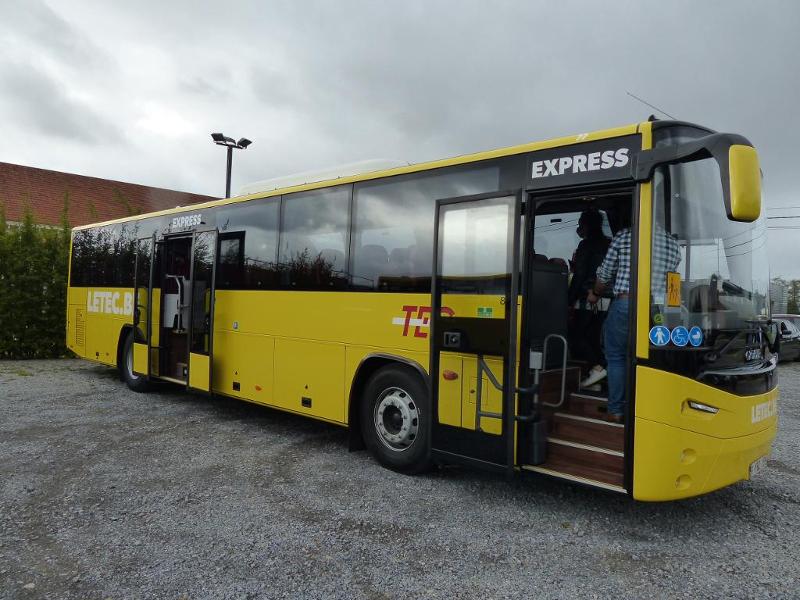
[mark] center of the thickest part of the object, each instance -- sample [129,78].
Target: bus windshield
[720,273]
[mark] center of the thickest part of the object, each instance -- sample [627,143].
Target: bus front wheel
[138,383]
[394,413]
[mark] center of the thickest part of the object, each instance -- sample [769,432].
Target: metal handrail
[563,367]
[484,368]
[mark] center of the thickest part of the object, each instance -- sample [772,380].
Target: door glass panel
[202,274]
[144,253]
[475,253]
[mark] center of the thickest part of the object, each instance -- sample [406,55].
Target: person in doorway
[587,321]
[615,272]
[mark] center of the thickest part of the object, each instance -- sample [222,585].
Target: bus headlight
[703,407]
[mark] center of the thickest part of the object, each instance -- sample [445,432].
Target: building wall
[778,296]
[91,199]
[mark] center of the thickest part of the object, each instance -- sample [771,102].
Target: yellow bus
[426,307]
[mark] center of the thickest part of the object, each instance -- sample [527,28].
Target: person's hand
[592,298]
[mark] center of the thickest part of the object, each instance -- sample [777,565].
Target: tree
[793,305]
[33,287]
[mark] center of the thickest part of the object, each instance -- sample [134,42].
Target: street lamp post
[230,144]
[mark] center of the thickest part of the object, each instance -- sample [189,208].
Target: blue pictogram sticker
[659,335]
[695,336]
[680,336]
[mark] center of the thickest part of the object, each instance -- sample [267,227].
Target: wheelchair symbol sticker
[680,336]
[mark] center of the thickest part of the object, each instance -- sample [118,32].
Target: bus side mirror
[744,183]
[738,168]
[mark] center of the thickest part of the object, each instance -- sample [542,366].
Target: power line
[785,217]
[751,251]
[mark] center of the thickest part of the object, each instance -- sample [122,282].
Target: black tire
[395,414]
[138,383]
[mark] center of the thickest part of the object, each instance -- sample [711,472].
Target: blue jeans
[615,336]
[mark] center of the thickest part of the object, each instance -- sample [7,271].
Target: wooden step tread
[583,455]
[576,478]
[587,430]
[586,405]
[593,473]
[587,447]
[589,396]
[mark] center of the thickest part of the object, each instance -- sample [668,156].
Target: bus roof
[412,168]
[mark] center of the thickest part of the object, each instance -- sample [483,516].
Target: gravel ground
[107,493]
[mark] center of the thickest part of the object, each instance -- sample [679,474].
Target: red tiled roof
[91,199]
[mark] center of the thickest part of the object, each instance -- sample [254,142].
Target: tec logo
[418,317]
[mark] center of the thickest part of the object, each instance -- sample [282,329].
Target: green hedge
[33,286]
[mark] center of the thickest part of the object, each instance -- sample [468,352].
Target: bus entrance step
[585,461]
[587,405]
[550,383]
[586,430]
[546,469]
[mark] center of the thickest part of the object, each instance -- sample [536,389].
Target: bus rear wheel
[394,419]
[138,383]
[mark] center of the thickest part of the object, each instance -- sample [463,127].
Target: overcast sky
[131,90]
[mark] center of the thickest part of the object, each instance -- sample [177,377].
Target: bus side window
[392,245]
[314,236]
[248,245]
[231,260]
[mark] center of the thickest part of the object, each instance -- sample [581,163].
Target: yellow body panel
[487,306]
[310,372]
[199,367]
[450,391]
[681,452]
[284,346]
[140,358]
[645,233]
[101,312]
[246,359]
[491,397]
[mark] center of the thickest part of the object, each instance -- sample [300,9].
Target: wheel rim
[396,419]
[129,364]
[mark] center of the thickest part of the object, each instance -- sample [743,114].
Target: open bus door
[201,310]
[474,330]
[142,307]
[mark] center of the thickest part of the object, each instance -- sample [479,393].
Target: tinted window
[105,256]
[314,238]
[78,273]
[248,245]
[124,258]
[392,247]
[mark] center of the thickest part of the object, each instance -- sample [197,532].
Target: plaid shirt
[666,256]
[617,263]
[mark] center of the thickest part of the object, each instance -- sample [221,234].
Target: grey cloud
[202,86]
[50,33]
[41,103]
[316,83]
